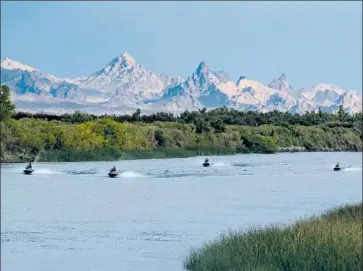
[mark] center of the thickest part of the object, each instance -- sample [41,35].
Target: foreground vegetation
[330,242]
[84,137]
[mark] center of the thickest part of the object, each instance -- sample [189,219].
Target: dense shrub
[33,137]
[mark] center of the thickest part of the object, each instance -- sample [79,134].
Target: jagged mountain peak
[123,61]
[282,83]
[203,74]
[113,72]
[10,64]
[123,82]
[283,77]
[202,69]
[242,77]
[126,55]
[126,60]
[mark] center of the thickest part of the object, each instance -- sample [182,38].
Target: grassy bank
[332,241]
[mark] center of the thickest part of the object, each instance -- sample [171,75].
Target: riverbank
[332,241]
[116,154]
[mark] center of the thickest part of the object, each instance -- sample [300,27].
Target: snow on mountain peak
[121,62]
[10,64]
[240,79]
[126,55]
[114,72]
[330,87]
[126,60]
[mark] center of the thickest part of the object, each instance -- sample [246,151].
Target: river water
[71,216]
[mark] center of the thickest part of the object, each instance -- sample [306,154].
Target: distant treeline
[215,118]
[80,136]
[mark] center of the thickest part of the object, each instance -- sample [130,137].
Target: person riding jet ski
[29,166]
[206,163]
[113,169]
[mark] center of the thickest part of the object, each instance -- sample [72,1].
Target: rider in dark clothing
[113,169]
[29,166]
[206,160]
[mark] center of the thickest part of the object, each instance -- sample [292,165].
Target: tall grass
[332,241]
[107,154]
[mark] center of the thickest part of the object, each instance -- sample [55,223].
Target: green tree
[78,117]
[218,125]
[320,112]
[342,115]
[201,126]
[6,106]
[160,138]
[136,116]
[202,111]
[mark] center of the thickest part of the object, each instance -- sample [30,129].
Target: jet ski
[112,174]
[337,167]
[28,171]
[206,163]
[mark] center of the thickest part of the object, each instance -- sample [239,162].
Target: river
[71,216]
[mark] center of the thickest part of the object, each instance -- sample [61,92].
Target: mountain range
[122,85]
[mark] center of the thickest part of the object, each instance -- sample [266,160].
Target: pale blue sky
[312,42]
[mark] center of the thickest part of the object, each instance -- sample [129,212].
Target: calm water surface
[71,216]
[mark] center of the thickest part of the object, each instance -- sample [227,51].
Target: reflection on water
[71,216]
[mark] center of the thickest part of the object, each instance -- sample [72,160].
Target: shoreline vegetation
[222,131]
[116,155]
[332,241]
